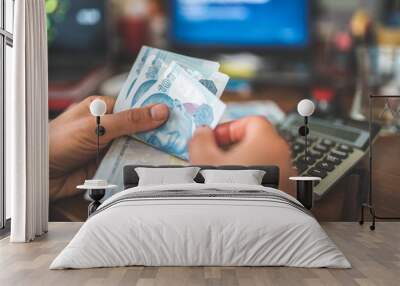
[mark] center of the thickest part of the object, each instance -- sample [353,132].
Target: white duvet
[201,231]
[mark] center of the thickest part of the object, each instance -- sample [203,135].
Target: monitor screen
[78,26]
[240,23]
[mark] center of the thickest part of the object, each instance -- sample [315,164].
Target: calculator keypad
[324,155]
[330,154]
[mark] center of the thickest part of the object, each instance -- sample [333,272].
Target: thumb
[134,120]
[203,148]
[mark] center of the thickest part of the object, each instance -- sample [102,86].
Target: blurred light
[88,17]
[51,6]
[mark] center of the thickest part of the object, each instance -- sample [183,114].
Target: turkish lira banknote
[157,62]
[205,71]
[266,108]
[190,104]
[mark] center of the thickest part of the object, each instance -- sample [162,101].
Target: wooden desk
[386,176]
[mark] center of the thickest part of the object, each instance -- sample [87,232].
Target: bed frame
[131,179]
[271,177]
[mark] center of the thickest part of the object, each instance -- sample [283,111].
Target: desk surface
[375,257]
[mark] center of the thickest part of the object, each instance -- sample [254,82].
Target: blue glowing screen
[240,22]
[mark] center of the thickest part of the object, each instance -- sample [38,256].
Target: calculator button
[327,166]
[339,154]
[328,143]
[298,148]
[301,140]
[310,140]
[317,173]
[345,148]
[300,167]
[321,148]
[333,160]
[309,161]
[315,155]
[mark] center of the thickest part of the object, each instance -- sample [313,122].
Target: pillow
[163,176]
[247,177]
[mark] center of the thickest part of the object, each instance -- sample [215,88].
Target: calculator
[334,147]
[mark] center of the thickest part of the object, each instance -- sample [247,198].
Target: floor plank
[375,257]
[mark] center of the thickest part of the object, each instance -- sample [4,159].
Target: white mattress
[201,231]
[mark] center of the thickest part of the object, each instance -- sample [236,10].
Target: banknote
[128,151]
[190,105]
[204,67]
[216,83]
[157,62]
[133,74]
[266,108]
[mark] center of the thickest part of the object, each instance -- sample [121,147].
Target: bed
[201,224]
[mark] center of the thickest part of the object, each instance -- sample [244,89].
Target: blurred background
[312,47]
[276,52]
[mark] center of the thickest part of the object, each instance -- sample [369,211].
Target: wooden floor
[375,257]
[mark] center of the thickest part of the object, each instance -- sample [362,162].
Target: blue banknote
[266,108]
[205,68]
[190,104]
[131,80]
[157,61]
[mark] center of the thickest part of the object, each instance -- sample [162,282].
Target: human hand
[73,140]
[250,141]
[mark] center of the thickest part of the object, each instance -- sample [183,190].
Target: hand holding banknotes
[73,142]
[191,88]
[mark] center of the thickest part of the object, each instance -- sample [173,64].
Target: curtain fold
[27,122]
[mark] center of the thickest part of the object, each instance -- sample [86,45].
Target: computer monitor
[77,26]
[237,24]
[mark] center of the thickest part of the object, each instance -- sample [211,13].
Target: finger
[81,109]
[203,148]
[109,100]
[230,132]
[236,131]
[134,120]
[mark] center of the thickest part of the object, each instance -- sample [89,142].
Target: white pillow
[246,177]
[165,176]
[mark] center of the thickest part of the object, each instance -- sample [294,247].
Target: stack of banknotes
[190,87]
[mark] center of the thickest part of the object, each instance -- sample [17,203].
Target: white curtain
[27,124]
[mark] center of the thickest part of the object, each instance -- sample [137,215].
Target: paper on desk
[128,151]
